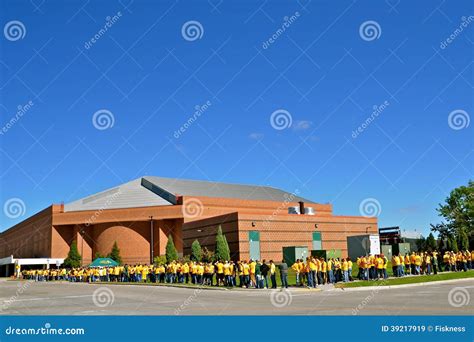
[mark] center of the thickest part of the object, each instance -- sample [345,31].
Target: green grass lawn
[410,279]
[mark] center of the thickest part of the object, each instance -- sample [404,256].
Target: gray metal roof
[186,187]
[128,195]
[155,191]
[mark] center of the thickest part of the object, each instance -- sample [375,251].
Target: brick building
[258,222]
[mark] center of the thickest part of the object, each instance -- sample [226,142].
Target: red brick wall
[133,240]
[30,238]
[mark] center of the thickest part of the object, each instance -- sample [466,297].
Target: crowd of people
[309,272]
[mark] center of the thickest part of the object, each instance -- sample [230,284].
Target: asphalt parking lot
[62,298]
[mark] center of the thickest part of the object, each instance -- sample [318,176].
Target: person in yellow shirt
[220,273]
[246,271]
[296,267]
[253,279]
[311,271]
[379,264]
[273,274]
[349,265]
[407,264]
[428,263]
[324,270]
[418,262]
[345,270]
[227,274]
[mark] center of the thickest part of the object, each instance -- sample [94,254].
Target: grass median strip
[409,279]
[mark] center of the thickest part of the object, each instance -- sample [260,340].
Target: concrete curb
[234,289]
[388,287]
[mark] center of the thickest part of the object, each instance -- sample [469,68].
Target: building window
[317,244]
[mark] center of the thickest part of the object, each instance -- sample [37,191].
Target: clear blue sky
[323,69]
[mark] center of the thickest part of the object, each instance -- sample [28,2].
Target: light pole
[151,239]
[81,233]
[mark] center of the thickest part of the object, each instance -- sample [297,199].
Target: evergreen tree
[115,254]
[196,251]
[222,248]
[171,252]
[73,258]
[226,248]
[452,244]
[98,255]
[430,242]
[463,240]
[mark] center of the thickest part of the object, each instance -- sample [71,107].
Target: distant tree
[73,258]
[115,254]
[159,260]
[430,243]
[185,259]
[171,252]
[208,255]
[458,214]
[196,251]
[222,248]
[421,243]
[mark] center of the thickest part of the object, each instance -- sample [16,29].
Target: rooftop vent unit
[294,210]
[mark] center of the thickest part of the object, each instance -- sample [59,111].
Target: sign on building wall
[374,244]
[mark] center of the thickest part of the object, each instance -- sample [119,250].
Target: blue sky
[323,65]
